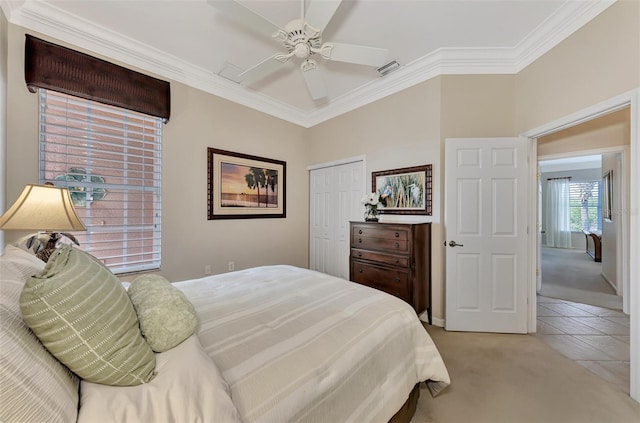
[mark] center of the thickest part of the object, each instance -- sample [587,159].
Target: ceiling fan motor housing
[298,41]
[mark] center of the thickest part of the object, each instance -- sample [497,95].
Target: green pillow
[81,313]
[166,316]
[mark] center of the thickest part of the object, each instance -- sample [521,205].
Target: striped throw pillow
[34,386]
[83,316]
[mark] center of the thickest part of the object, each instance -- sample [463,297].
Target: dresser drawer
[390,280]
[402,261]
[385,244]
[380,231]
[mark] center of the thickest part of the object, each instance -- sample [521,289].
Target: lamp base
[49,248]
[45,253]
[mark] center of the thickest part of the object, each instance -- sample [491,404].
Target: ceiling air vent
[389,67]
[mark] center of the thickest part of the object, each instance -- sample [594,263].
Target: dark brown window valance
[57,68]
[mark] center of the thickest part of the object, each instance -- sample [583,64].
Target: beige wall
[3,110]
[605,132]
[597,62]
[198,121]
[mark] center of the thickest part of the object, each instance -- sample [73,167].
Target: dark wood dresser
[395,258]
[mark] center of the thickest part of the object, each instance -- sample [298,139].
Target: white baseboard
[613,285]
[435,321]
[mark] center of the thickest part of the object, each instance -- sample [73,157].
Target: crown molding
[449,61]
[51,21]
[569,18]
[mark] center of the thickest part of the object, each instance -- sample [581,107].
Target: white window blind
[109,158]
[586,206]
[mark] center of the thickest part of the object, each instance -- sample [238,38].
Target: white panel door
[335,194]
[349,191]
[486,194]
[321,220]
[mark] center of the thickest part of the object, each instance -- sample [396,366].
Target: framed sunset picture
[242,186]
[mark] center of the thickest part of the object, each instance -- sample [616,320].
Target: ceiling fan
[302,38]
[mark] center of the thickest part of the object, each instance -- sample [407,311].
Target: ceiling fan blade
[248,17]
[361,55]
[313,78]
[261,70]
[320,12]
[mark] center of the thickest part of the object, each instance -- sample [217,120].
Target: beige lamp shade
[42,208]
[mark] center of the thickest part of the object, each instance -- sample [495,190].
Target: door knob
[454,244]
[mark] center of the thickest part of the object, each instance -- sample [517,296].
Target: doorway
[579,309]
[575,230]
[631,269]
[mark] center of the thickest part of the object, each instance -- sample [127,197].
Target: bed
[271,344]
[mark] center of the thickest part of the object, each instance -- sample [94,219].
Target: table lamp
[44,208]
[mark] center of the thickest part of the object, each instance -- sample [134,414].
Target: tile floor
[595,337]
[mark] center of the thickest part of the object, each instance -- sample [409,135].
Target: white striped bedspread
[299,345]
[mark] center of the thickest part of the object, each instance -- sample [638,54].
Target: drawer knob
[360,240]
[397,235]
[397,245]
[360,231]
[360,271]
[397,279]
[359,253]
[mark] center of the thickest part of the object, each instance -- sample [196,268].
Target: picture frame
[242,186]
[406,190]
[607,188]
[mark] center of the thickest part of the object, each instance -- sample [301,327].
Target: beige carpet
[517,378]
[572,275]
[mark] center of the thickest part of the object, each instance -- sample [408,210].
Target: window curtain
[64,70]
[558,216]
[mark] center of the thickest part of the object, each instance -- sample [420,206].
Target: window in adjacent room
[585,206]
[109,158]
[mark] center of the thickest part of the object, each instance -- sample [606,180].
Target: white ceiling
[570,163]
[190,41]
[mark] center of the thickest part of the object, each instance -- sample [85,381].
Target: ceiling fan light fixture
[302,50]
[388,68]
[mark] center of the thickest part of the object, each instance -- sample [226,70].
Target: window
[585,206]
[109,158]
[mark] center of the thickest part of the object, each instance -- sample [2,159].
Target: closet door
[321,219]
[335,193]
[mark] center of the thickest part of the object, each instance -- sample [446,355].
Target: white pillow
[188,387]
[34,386]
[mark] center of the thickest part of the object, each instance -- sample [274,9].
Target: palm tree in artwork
[271,182]
[255,179]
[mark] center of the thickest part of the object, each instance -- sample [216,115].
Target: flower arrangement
[371,203]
